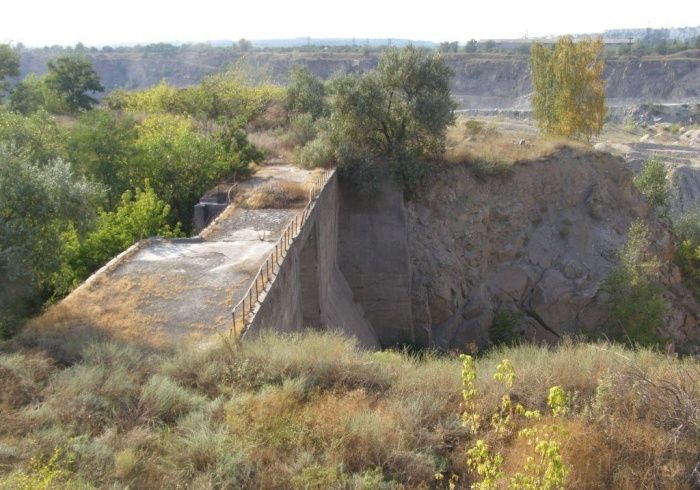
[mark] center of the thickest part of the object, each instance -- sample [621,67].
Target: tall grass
[314,411]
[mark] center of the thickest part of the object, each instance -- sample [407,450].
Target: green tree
[101,146]
[73,78]
[471,46]
[448,47]
[32,94]
[489,46]
[397,113]
[306,93]
[9,65]
[569,90]
[181,162]
[26,97]
[244,45]
[38,135]
[140,214]
[38,202]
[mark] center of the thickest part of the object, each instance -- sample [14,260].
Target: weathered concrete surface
[374,259]
[310,291]
[167,290]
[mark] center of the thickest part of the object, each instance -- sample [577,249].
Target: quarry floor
[165,289]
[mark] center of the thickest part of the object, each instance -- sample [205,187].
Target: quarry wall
[481,81]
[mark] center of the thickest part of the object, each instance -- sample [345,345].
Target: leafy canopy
[37,203]
[636,303]
[140,214]
[9,65]
[397,113]
[73,78]
[306,94]
[569,90]
[652,182]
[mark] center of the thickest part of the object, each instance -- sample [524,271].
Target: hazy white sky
[98,22]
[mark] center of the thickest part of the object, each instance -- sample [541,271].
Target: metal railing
[242,313]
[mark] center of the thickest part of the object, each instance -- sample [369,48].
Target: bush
[37,204]
[140,215]
[277,194]
[637,305]
[687,235]
[319,152]
[302,129]
[652,182]
[502,331]
[163,399]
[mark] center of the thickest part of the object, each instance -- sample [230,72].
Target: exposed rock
[538,241]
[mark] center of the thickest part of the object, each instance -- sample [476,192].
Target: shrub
[277,194]
[319,152]
[163,399]
[687,235]
[636,303]
[139,215]
[37,204]
[302,129]
[473,126]
[652,182]
[502,329]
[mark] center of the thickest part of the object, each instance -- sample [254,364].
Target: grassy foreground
[313,411]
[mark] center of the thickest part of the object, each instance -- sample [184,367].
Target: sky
[97,22]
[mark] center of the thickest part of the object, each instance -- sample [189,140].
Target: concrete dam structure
[436,271]
[339,263]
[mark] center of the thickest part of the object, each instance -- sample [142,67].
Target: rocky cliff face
[537,242]
[480,82]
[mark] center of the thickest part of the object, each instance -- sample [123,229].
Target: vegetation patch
[277,194]
[313,410]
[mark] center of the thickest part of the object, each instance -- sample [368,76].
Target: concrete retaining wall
[374,258]
[309,289]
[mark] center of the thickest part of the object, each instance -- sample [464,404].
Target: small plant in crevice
[502,330]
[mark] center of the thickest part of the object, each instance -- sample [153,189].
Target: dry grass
[313,411]
[274,144]
[278,194]
[491,150]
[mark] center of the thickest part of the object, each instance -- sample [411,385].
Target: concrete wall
[310,290]
[374,258]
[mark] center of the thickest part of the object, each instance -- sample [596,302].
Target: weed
[277,194]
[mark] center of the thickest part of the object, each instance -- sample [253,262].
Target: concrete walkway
[168,290]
